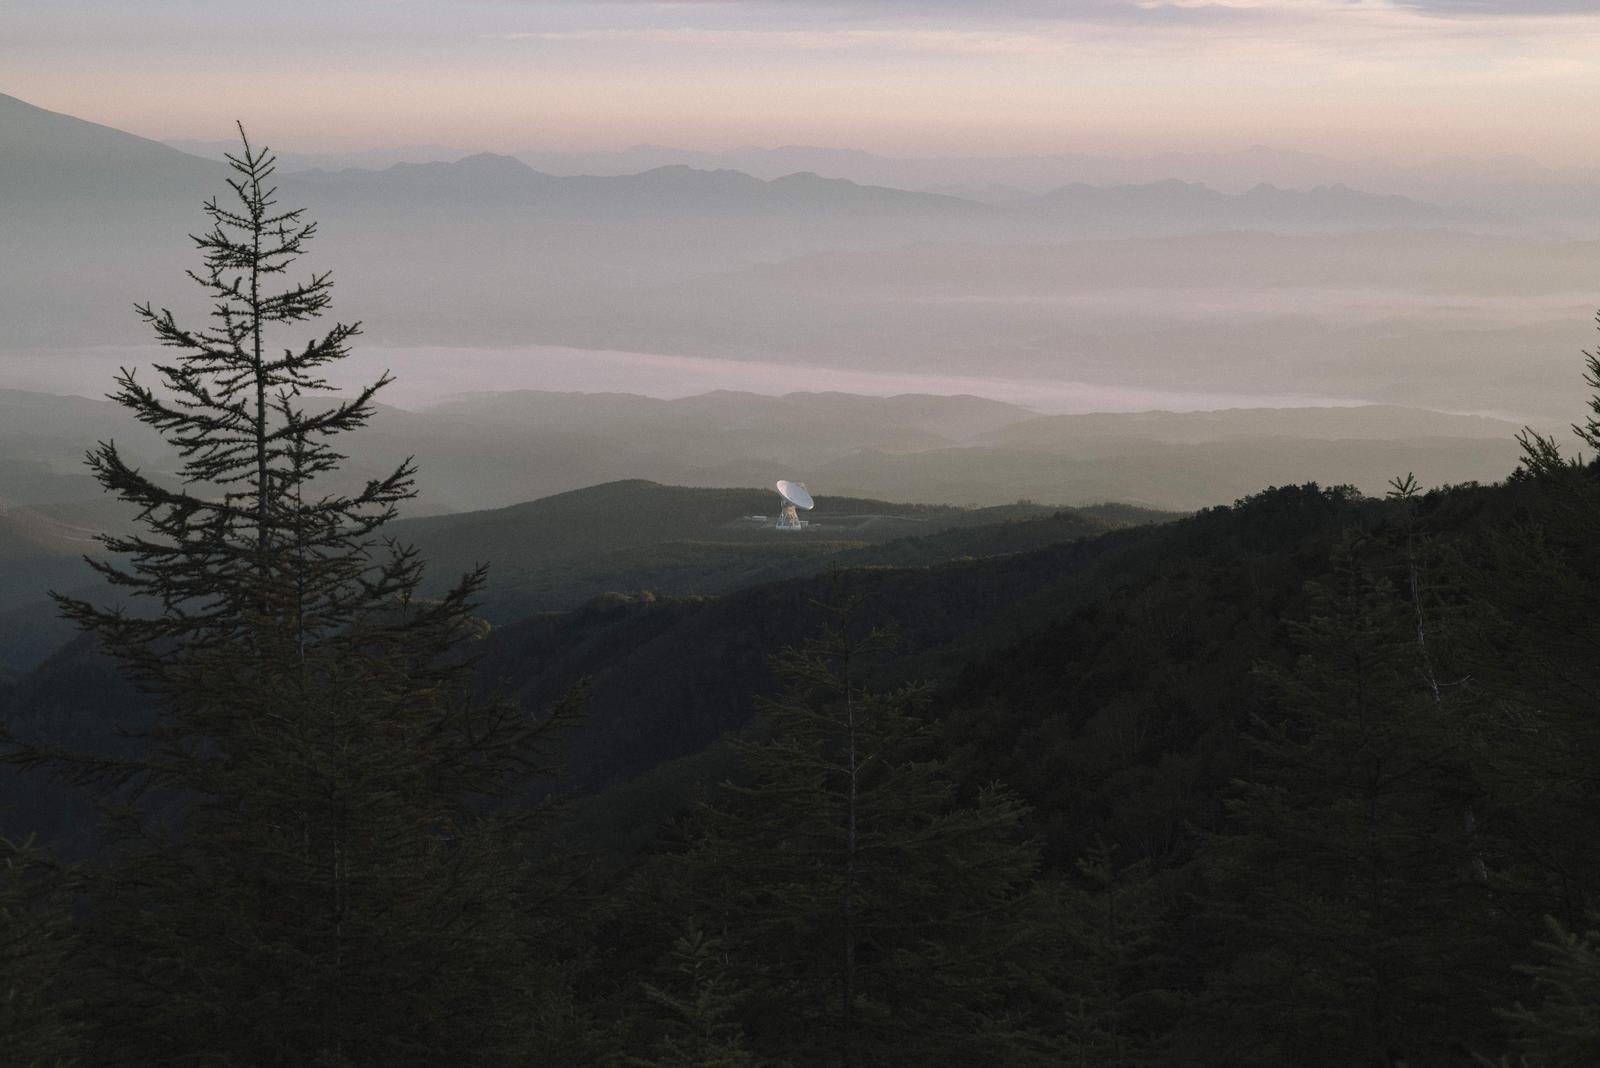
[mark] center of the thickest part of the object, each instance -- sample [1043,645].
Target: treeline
[1211,814]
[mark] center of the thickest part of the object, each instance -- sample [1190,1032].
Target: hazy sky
[1401,78]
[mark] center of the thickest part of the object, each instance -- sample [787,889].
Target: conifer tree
[1340,899]
[700,1005]
[1535,634]
[1437,603]
[313,864]
[36,937]
[870,915]
[1563,1029]
[1104,946]
[1534,637]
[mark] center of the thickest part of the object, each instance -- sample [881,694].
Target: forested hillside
[557,552]
[1140,691]
[1307,779]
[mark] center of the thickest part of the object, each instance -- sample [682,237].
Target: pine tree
[315,862]
[870,915]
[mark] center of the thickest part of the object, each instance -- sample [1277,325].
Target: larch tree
[316,859]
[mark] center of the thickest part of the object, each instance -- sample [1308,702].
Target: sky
[1403,79]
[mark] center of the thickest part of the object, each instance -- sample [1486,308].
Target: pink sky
[1406,79]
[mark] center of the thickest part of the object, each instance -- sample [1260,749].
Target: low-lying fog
[427,375]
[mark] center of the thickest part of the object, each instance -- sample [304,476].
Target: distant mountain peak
[479,163]
[480,159]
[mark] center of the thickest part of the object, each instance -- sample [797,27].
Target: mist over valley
[772,533]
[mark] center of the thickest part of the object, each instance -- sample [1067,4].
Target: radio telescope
[794,496]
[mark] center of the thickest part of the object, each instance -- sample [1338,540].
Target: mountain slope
[42,550]
[700,661]
[48,156]
[38,550]
[554,553]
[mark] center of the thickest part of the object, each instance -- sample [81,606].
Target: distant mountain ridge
[674,188]
[1550,194]
[1155,207]
[1478,183]
[949,419]
[1227,170]
[492,450]
[685,269]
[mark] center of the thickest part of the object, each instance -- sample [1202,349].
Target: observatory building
[794,497]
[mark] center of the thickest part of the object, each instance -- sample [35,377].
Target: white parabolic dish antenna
[795,496]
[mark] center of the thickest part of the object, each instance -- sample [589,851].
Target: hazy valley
[1090,296]
[1173,643]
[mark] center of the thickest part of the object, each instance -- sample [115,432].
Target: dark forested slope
[670,676]
[1120,684]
